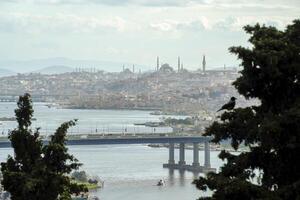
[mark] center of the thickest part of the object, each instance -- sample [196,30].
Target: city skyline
[135,31]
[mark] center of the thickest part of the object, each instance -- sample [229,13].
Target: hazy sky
[135,30]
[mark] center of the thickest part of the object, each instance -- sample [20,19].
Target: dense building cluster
[165,89]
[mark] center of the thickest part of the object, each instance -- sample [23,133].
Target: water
[89,121]
[129,171]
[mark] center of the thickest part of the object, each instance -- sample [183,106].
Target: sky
[135,31]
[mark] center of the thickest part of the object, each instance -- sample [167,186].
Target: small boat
[139,124]
[93,198]
[152,124]
[79,198]
[156,113]
[82,196]
[160,183]
[50,105]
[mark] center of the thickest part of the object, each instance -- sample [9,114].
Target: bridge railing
[5,129]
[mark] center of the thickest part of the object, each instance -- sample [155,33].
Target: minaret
[182,66]
[178,63]
[157,63]
[133,68]
[203,63]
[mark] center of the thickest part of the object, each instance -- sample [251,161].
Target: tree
[80,176]
[38,171]
[271,130]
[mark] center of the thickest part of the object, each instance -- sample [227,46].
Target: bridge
[170,140]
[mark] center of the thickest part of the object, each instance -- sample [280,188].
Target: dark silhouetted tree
[271,130]
[38,171]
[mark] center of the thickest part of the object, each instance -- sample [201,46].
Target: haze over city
[149,99]
[132,31]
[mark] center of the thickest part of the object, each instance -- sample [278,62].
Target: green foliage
[173,121]
[80,176]
[271,73]
[38,171]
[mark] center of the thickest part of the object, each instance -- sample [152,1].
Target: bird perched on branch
[228,106]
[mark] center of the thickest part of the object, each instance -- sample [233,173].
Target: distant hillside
[6,72]
[58,69]
[28,66]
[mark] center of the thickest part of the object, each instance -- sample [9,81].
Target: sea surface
[129,172]
[89,121]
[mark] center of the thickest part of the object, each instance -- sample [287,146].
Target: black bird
[228,106]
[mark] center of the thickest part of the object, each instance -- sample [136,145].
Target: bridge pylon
[195,167]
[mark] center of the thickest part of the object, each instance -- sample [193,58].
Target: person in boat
[160,183]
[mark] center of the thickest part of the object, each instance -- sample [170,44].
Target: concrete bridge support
[171,154]
[206,155]
[196,155]
[195,167]
[181,154]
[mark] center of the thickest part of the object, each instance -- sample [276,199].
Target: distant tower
[203,63]
[133,68]
[123,68]
[178,63]
[182,66]
[224,67]
[157,63]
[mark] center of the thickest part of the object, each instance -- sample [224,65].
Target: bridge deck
[130,140]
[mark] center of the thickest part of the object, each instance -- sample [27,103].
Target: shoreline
[150,109]
[128,108]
